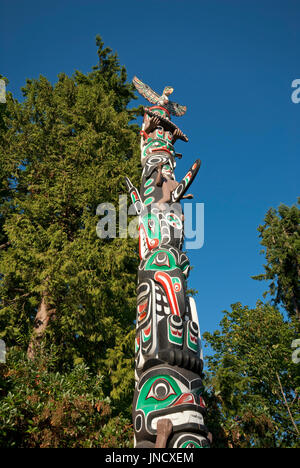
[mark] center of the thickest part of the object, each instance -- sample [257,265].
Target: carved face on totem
[158,146]
[173,392]
[161,294]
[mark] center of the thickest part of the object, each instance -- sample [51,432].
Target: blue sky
[232,63]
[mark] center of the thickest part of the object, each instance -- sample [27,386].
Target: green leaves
[41,407]
[252,372]
[253,382]
[64,150]
[280,237]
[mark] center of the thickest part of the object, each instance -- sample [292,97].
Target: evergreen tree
[64,150]
[280,236]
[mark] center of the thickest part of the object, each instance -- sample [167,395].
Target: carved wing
[182,187]
[176,109]
[145,90]
[135,196]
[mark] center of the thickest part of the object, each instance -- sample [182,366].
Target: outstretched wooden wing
[176,109]
[145,91]
[135,196]
[182,187]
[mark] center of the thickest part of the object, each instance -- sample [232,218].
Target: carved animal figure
[156,99]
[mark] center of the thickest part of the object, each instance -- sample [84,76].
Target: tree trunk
[286,404]
[41,321]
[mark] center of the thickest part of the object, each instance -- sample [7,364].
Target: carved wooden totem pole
[168,408]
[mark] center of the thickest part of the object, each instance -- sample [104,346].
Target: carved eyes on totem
[161,259]
[160,390]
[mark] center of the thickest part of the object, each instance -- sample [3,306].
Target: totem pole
[168,408]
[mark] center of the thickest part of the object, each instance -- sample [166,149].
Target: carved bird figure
[156,99]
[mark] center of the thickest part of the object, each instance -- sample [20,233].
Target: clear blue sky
[232,63]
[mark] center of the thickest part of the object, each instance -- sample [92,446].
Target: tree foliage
[253,383]
[280,237]
[64,150]
[43,408]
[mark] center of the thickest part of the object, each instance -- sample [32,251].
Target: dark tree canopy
[64,150]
